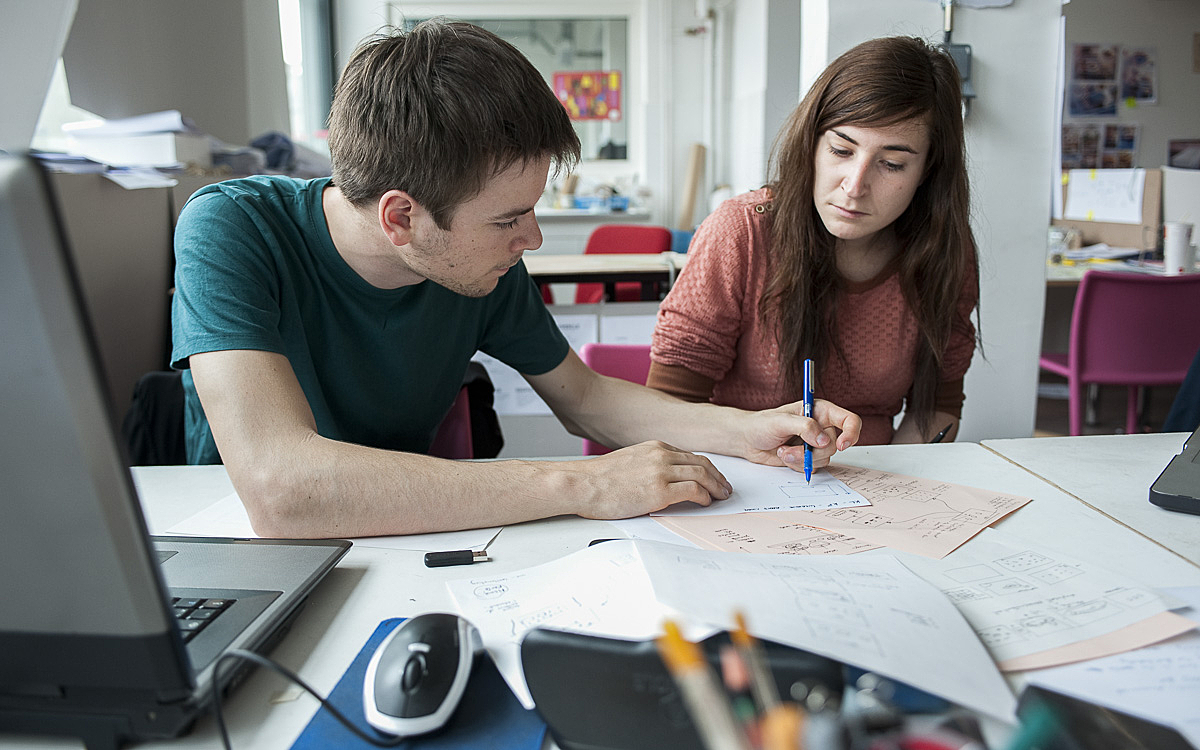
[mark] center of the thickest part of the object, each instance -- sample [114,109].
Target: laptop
[106,633]
[1178,487]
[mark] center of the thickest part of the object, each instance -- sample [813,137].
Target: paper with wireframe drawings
[926,517]
[765,489]
[869,611]
[762,533]
[1022,598]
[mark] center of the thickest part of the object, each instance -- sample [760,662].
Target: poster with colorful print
[590,94]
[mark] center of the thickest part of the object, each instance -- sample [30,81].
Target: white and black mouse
[418,673]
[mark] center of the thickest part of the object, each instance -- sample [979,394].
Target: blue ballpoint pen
[808,410]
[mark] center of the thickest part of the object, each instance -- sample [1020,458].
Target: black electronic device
[1178,487]
[609,694]
[418,674]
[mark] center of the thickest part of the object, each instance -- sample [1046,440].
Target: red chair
[626,361]
[1128,329]
[622,238]
[453,439]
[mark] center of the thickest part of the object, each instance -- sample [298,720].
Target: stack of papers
[871,612]
[159,139]
[1101,251]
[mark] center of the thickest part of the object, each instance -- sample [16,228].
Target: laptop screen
[91,638]
[73,541]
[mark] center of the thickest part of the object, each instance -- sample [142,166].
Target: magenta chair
[622,238]
[626,361]
[453,439]
[1128,329]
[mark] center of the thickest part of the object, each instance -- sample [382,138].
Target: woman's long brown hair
[878,83]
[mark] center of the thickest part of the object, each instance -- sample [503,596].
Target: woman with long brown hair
[858,254]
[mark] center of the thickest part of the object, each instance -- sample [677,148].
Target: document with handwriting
[868,611]
[764,533]
[1023,599]
[923,516]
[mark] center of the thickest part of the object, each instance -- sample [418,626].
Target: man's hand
[776,437]
[643,478]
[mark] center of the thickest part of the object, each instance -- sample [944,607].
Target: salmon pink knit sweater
[709,324]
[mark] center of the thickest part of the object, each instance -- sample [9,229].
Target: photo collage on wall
[1103,77]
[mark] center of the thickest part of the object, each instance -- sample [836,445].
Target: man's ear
[397,210]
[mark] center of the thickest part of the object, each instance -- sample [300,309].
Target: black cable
[380,740]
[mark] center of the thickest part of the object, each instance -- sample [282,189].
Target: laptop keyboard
[193,615]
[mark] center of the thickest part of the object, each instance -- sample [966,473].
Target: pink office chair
[622,238]
[626,361]
[453,439]
[1128,329]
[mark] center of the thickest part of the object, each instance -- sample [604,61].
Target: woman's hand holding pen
[781,442]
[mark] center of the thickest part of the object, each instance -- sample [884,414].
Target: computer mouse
[419,672]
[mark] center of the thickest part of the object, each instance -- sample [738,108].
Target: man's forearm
[333,489]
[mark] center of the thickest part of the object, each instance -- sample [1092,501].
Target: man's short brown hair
[436,112]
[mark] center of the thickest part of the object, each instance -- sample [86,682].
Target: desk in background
[372,584]
[1113,474]
[608,269]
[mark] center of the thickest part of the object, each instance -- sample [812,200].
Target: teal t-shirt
[256,269]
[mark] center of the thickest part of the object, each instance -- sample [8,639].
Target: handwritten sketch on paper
[922,516]
[1023,599]
[762,533]
[868,611]
[765,489]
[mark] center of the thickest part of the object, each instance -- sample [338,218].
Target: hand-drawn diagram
[922,516]
[763,533]
[872,612]
[1022,600]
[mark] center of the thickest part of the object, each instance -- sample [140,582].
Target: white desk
[371,584]
[1113,474]
[608,268]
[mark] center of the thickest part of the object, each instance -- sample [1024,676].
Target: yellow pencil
[762,684]
[705,700]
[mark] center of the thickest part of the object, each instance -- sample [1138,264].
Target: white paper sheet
[764,489]
[626,329]
[1105,195]
[1022,598]
[513,394]
[1160,683]
[646,528]
[227,517]
[870,612]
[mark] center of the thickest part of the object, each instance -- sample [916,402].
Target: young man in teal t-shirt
[326,324]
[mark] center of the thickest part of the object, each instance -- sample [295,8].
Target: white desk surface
[372,584]
[1113,474]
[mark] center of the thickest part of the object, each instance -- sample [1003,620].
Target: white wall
[1009,142]
[1168,26]
[219,62]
